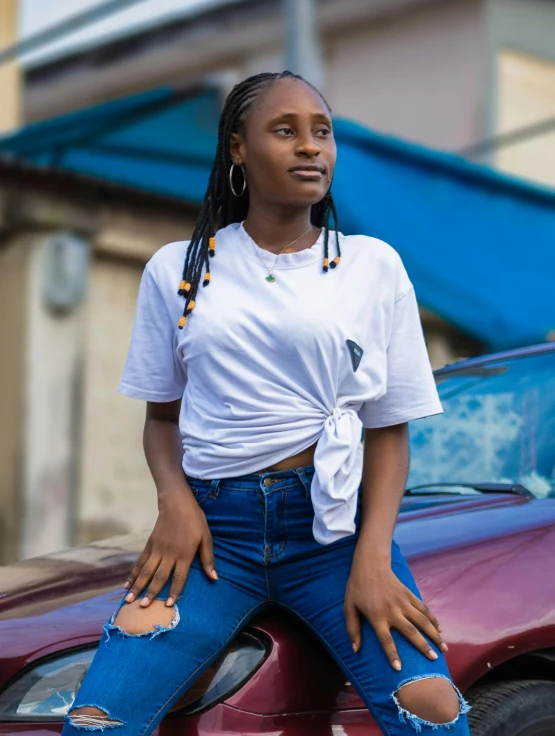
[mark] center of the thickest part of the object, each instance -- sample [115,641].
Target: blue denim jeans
[265,553]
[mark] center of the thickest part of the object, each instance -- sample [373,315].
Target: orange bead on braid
[220,206]
[184,287]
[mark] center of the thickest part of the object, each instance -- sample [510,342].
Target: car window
[498,426]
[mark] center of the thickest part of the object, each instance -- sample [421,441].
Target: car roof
[544,347]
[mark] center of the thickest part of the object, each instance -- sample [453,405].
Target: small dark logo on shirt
[355,352]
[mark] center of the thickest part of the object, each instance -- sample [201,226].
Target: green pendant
[270,278]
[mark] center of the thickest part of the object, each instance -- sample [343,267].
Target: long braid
[221,207]
[333,211]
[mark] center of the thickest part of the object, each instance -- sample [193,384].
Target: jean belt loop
[304,480]
[215,487]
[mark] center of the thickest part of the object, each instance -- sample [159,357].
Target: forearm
[181,530]
[164,452]
[385,470]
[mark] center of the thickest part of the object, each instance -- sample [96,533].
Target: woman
[256,398]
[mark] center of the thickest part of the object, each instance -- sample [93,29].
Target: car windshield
[498,426]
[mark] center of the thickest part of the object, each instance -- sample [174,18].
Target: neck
[273,229]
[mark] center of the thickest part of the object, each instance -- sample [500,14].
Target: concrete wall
[117,492]
[72,467]
[53,396]
[521,73]
[416,74]
[526,96]
[526,26]
[13,319]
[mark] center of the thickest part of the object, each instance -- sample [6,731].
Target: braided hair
[219,204]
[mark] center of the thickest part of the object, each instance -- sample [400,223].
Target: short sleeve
[411,391]
[152,370]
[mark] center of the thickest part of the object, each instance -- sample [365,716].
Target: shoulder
[170,258]
[371,248]
[164,269]
[378,255]
[169,255]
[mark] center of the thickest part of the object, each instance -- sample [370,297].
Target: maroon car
[477,525]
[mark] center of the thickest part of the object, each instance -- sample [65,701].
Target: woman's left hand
[374,591]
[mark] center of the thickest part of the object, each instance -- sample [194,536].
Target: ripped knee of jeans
[133,620]
[444,714]
[91,718]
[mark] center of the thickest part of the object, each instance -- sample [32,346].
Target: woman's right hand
[180,530]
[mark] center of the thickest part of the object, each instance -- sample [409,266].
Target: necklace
[270,277]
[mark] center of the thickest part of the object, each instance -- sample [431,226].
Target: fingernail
[432,654]
[396,664]
[126,585]
[443,646]
[169,602]
[439,628]
[129,597]
[144,602]
[214,575]
[354,646]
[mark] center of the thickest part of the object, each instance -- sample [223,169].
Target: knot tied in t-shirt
[338,465]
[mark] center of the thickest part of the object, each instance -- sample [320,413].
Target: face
[287,146]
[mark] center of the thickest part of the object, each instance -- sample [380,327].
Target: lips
[311,172]
[313,168]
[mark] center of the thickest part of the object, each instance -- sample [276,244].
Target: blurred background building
[446,130]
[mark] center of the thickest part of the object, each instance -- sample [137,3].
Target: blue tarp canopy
[479,246]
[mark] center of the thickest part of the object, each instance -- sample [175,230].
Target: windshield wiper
[481,487]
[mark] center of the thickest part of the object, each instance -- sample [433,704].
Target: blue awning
[479,246]
[160,141]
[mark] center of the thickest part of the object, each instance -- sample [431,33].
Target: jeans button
[269,482]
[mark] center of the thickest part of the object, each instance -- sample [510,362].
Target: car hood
[426,523]
[58,600]
[434,524]
[38,585]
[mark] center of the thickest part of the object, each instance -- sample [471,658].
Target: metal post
[302,48]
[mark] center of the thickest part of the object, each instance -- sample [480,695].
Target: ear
[236,148]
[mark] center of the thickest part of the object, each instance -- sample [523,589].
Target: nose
[308,145]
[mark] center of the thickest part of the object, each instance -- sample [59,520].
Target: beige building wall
[52,397]
[9,72]
[13,319]
[416,74]
[526,96]
[117,494]
[72,466]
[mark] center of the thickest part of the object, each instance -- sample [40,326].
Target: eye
[325,131]
[279,130]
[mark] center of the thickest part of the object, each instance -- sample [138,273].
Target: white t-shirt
[265,370]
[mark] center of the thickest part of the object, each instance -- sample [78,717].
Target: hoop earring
[231,181]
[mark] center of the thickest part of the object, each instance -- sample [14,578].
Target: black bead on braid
[221,206]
